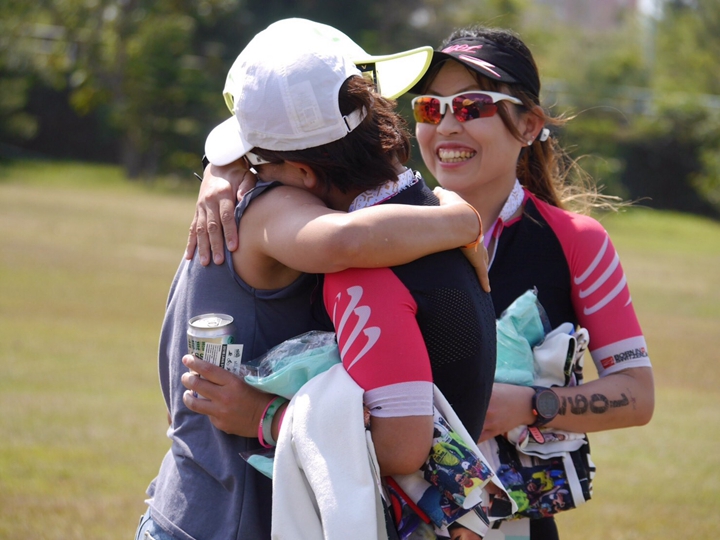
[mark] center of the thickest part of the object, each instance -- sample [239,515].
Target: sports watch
[545,406]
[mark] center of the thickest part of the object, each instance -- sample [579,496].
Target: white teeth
[454,156]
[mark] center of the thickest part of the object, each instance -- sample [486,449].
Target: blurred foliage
[139,81]
[645,102]
[688,47]
[673,157]
[147,69]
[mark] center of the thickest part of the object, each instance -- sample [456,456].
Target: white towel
[325,476]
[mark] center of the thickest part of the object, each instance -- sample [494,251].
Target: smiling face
[477,159]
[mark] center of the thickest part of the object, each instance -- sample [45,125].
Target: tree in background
[140,64]
[646,101]
[150,72]
[142,79]
[15,122]
[687,81]
[667,145]
[601,81]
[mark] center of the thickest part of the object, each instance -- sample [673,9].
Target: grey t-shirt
[204,489]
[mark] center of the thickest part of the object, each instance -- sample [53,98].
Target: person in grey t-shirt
[287,233]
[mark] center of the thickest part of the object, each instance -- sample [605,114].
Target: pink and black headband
[490,60]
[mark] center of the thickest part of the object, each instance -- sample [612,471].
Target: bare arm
[385,235]
[301,233]
[618,400]
[402,444]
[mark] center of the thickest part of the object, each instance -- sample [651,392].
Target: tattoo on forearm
[598,404]
[578,404]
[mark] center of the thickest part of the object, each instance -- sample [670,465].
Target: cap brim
[439,57]
[397,73]
[225,143]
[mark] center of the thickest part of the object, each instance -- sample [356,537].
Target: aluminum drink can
[209,328]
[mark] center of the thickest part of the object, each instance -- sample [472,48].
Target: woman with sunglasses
[482,134]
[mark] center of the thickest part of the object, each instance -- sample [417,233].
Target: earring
[530,142]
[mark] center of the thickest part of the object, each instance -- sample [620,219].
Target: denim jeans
[149,530]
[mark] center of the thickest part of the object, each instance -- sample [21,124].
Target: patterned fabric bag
[555,473]
[542,487]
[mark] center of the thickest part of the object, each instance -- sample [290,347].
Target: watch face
[547,404]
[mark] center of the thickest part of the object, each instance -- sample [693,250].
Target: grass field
[86,260]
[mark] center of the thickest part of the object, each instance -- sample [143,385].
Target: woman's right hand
[232,405]
[477,254]
[213,225]
[448,197]
[479,259]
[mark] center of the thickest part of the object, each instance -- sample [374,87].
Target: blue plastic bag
[521,327]
[292,363]
[282,371]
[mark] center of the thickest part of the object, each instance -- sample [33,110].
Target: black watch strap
[545,406]
[205,163]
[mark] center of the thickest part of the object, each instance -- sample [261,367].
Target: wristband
[265,425]
[205,163]
[282,417]
[480,236]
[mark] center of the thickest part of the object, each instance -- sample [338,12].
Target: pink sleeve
[380,343]
[600,293]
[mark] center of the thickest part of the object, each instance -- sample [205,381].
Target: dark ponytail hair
[366,157]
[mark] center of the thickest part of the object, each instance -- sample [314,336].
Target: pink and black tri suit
[572,263]
[403,328]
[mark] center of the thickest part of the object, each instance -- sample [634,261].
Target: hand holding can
[210,337]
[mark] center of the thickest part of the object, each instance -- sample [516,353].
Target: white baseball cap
[283,88]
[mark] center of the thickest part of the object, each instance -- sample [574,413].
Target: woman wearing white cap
[311,113]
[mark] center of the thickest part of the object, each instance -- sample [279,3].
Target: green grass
[663,480]
[86,260]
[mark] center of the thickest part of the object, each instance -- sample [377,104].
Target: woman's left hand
[213,226]
[478,257]
[510,406]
